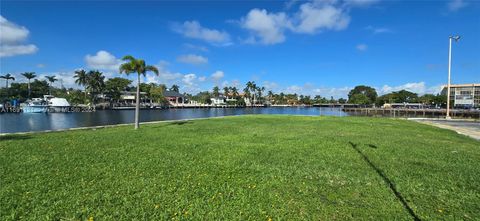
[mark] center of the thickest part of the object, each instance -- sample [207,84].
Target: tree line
[95,88]
[366,95]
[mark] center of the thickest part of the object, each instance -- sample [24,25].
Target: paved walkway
[468,128]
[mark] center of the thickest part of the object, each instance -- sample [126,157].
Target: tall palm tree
[252,87]
[81,79]
[7,77]
[260,90]
[95,84]
[51,79]
[138,66]
[29,76]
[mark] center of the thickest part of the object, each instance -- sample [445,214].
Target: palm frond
[128,58]
[152,69]
[126,68]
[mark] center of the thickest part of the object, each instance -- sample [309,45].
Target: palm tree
[136,65]
[234,91]
[259,91]
[226,91]
[216,91]
[51,79]
[252,87]
[29,76]
[81,79]
[246,93]
[175,88]
[7,77]
[270,95]
[95,84]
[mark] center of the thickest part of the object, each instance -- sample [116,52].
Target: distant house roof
[172,94]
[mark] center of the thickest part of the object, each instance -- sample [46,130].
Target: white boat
[56,104]
[36,105]
[49,103]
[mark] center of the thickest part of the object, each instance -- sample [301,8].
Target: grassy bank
[243,168]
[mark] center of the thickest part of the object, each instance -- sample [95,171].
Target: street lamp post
[456,38]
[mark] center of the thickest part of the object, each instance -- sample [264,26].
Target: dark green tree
[359,99]
[115,86]
[370,95]
[175,88]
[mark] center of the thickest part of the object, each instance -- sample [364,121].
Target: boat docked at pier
[46,104]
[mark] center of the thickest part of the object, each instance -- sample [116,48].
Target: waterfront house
[174,97]
[128,97]
[220,100]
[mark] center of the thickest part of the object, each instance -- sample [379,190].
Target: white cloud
[341,92]
[235,83]
[192,59]
[361,47]
[196,47]
[290,3]
[40,65]
[103,60]
[164,75]
[162,64]
[11,38]
[434,89]
[217,75]
[189,79]
[189,83]
[267,28]
[415,87]
[232,83]
[310,90]
[270,86]
[193,29]
[12,33]
[455,5]
[312,17]
[225,84]
[294,89]
[317,17]
[360,3]
[12,50]
[377,30]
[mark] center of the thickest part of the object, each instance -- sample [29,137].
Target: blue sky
[309,47]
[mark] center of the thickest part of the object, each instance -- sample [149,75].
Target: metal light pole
[456,38]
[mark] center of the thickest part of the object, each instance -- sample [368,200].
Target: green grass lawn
[243,168]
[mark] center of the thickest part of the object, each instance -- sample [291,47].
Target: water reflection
[10,122]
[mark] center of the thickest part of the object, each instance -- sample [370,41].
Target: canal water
[25,122]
